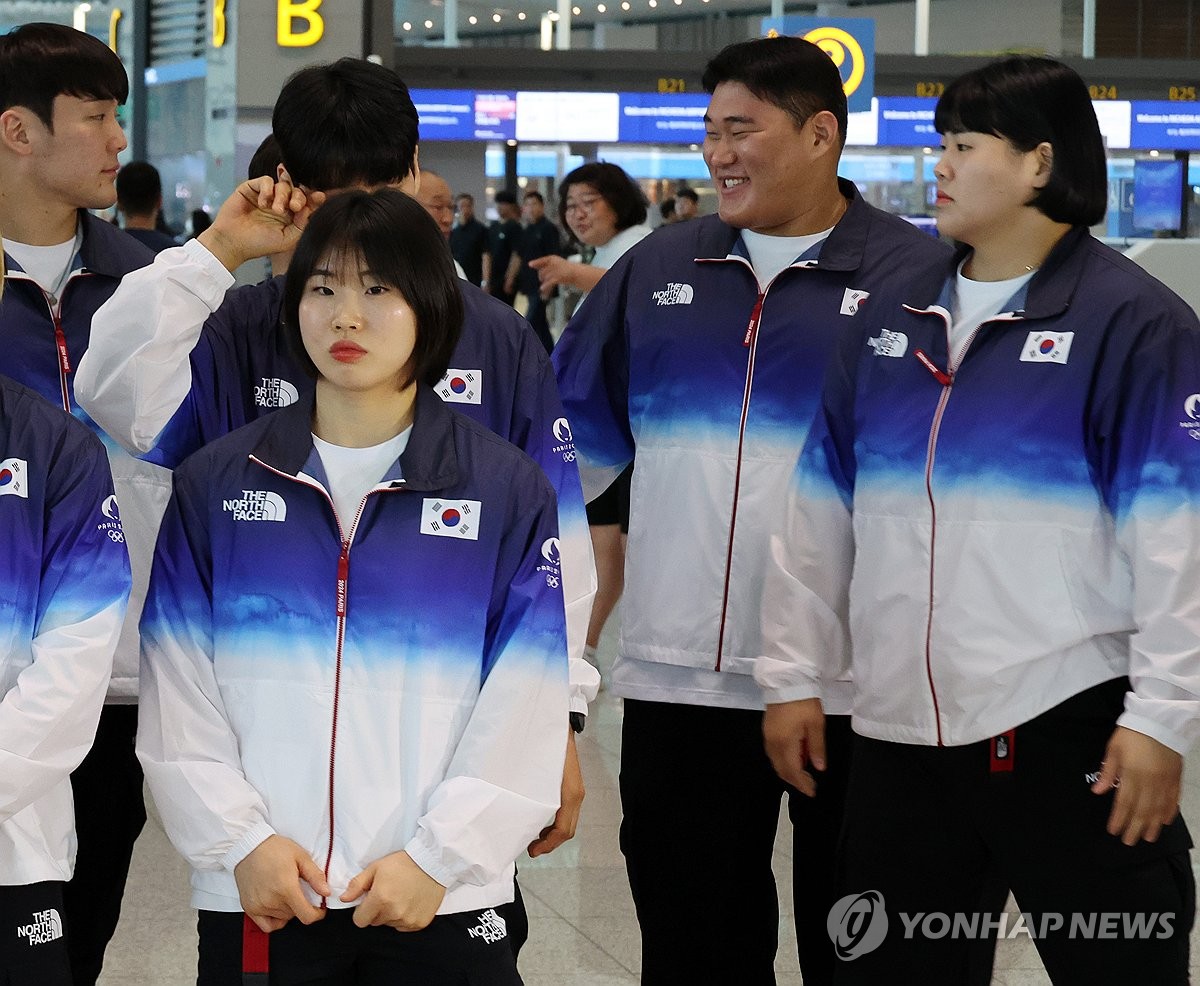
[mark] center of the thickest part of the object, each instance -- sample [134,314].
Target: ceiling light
[407,26]
[472,19]
[428,24]
[520,15]
[576,11]
[496,18]
[601,9]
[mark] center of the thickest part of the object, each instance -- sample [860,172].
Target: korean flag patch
[450,518]
[1047,347]
[13,478]
[461,387]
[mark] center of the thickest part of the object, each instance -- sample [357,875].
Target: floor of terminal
[582,931]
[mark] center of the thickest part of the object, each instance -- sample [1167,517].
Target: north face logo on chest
[673,294]
[256,505]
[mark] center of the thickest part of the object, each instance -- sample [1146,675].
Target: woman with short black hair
[354,645]
[996,526]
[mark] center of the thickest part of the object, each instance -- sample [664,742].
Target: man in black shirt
[540,238]
[505,239]
[469,242]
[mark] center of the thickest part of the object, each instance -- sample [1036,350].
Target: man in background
[139,200]
[540,238]
[505,236]
[687,204]
[469,242]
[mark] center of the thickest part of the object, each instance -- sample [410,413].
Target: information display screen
[1157,195]
[466,114]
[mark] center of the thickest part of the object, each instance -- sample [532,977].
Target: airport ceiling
[417,21]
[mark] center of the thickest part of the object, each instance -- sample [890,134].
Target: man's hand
[1147,777]
[396,893]
[566,819]
[260,218]
[268,882]
[794,734]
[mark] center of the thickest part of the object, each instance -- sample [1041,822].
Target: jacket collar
[842,251]
[429,462]
[1048,293]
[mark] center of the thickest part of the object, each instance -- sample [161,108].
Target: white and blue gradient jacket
[64,587]
[177,360]
[980,542]
[398,685]
[679,361]
[44,341]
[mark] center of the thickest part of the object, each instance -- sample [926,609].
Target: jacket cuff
[251,839]
[214,280]
[1155,730]
[426,857]
[791,693]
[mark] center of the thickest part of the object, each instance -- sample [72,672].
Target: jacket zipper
[946,379]
[341,598]
[60,336]
[750,341]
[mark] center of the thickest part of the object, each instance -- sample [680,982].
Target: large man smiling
[700,357]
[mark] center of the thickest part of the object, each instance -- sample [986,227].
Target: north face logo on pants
[45,926]
[491,927]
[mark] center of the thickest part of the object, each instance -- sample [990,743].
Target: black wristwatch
[578,721]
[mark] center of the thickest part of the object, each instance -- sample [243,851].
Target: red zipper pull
[60,339]
[941,376]
[755,317]
[343,578]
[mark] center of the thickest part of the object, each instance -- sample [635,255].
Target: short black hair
[666,209]
[266,160]
[532,194]
[623,195]
[41,61]
[139,188]
[505,197]
[403,247]
[1028,101]
[349,122]
[465,195]
[787,72]
[688,193]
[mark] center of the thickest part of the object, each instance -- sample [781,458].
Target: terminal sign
[849,41]
[298,24]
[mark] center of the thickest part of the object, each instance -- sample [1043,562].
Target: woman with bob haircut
[995,525]
[354,645]
[604,209]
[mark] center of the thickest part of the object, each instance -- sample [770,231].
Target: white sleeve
[136,373]
[48,718]
[188,749]
[805,608]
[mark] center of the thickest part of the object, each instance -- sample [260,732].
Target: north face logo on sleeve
[450,518]
[461,387]
[673,294]
[853,300]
